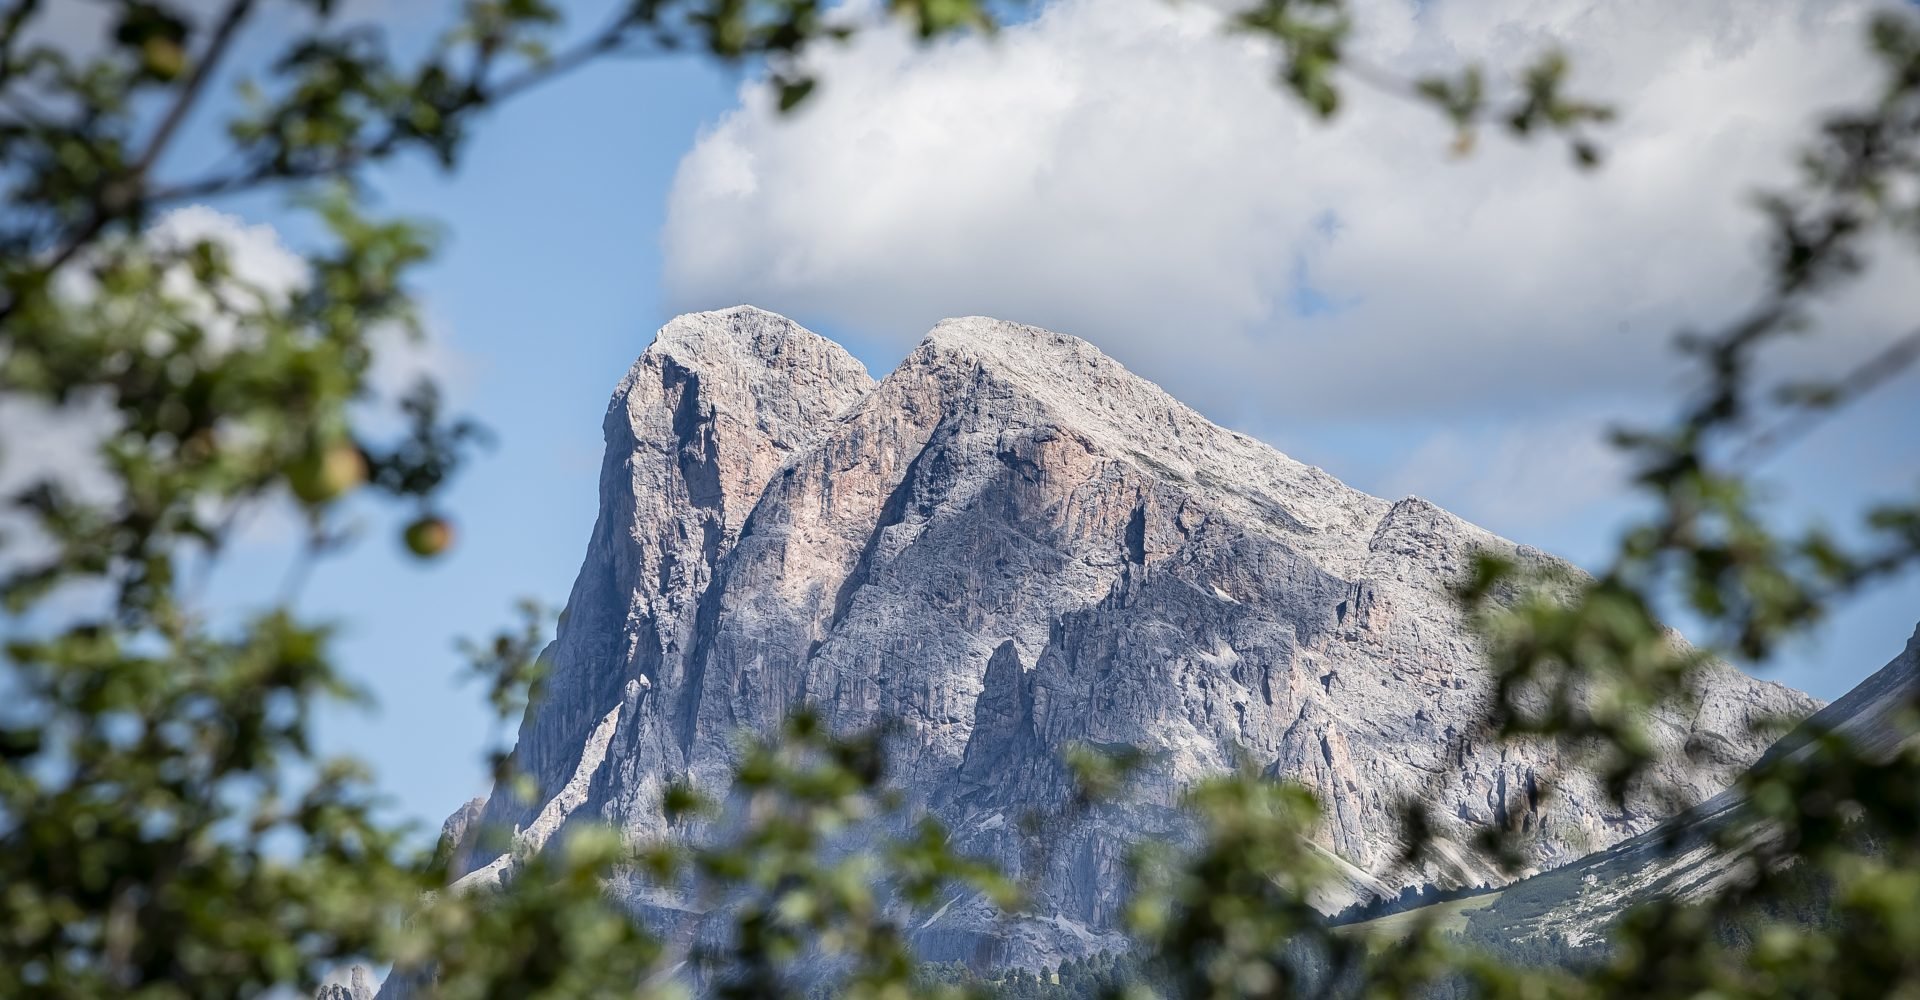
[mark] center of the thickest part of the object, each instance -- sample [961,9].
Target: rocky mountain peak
[1089,392]
[1040,358]
[1015,377]
[351,983]
[1010,545]
[744,334]
[759,368]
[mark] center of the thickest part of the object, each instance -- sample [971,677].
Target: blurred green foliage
[168,830]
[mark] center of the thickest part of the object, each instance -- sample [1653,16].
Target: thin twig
[1861,380]
[223,34]
[114,200]
[608,41]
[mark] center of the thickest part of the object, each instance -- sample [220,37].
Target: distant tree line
[1411,897]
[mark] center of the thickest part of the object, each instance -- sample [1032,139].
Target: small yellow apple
[326,474]
[429,536]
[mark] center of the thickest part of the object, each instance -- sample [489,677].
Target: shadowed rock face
[1678,858]
[1009,545]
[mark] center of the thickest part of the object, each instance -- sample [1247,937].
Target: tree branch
[606,42]
[203,68]
[120,195]
[1861,380]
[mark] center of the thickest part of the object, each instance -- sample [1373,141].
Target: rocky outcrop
[1008,546]
[460,834]
[1679,858]
[717,406]
[351,983]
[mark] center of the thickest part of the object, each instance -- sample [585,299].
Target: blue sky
[1315,301]
[545,291]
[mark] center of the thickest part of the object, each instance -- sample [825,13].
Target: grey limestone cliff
[1679,858]
[1009,545]
[350,983]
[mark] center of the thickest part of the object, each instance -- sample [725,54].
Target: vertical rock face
[718,405]
[351,983]
[460,834]
[1009,545]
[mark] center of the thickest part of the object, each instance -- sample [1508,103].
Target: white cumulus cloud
[1125,171]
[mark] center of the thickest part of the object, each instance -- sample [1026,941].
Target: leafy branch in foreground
[1312,37]
[139,789]
[1829,821]
[1591,664]
[167,829]
[816,891]
[1818,886]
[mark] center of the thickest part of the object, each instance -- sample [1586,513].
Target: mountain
[1009,545]
[1577,902]
[350,983]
